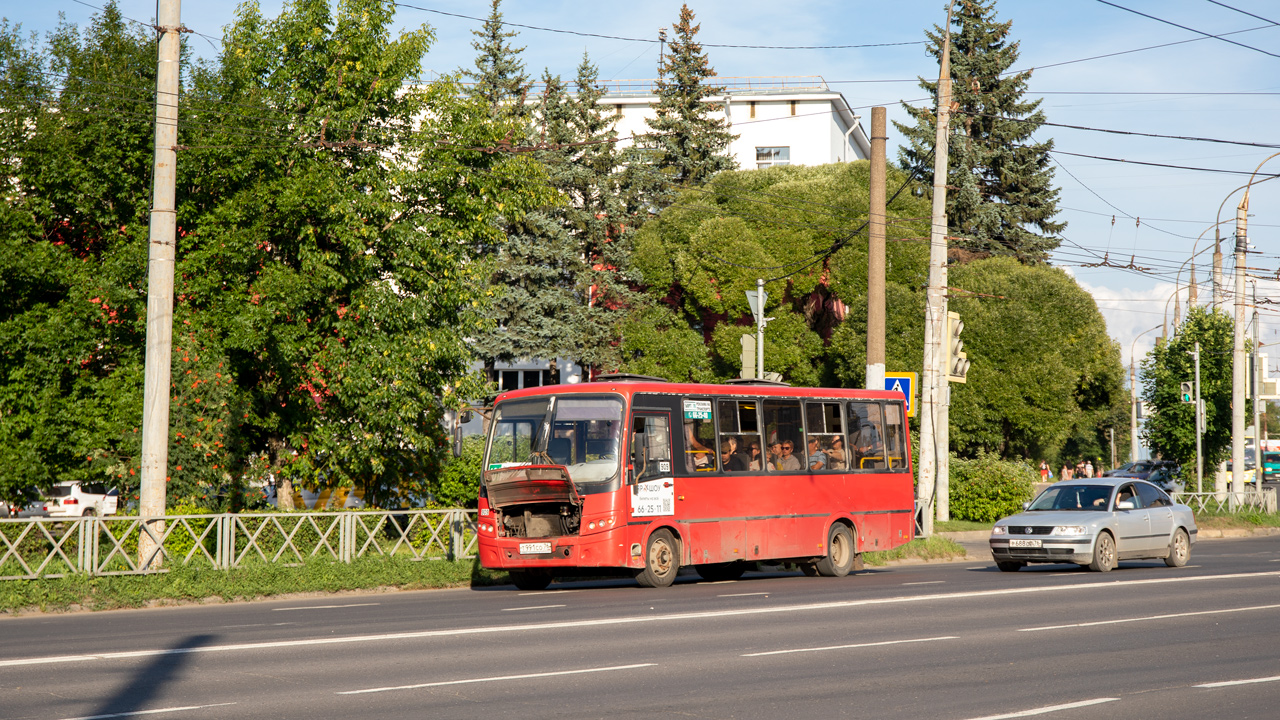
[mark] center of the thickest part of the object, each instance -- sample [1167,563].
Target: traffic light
[957,360]
[1188,395]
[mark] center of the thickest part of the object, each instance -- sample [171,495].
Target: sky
[1134,66]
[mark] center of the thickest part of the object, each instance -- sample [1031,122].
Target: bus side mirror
[457,442]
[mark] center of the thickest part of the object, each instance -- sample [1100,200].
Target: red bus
[641,475]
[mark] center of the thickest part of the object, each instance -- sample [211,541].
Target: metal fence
[55,547]
[1263,500]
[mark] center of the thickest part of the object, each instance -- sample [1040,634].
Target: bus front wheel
[661,561]
[840,554]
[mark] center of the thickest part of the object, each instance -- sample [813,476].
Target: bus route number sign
[654,498]
[697,409]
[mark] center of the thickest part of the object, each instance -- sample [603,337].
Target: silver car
[1096,522]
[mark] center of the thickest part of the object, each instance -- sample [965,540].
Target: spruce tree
[688,143]
[562,275]
[1001,198]
[499,78]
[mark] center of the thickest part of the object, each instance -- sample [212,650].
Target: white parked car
[76,499]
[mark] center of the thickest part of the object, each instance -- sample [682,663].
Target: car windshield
[576,431]
[1271,458]
[1073,497]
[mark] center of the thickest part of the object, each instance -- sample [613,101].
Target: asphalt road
[952,641]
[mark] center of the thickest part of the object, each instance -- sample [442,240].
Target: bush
[987,488]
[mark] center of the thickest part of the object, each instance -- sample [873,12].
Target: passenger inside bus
[732,461]
[817,459]
[698,457]
[835,454]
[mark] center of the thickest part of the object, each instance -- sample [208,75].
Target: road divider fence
[55,547]
[1263,501]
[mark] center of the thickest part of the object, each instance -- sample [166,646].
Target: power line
[1242,12]
[1190,29]
[1190,138]
[1163,165]
[655,41]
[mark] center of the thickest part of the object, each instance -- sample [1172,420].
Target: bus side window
[739,441]
[866,436]
[699,444]
[894,430]
[825,449]
[784,433]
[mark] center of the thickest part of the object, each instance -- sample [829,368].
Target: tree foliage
[1170,430]
[1044,371]
[332,227]
[1001,181]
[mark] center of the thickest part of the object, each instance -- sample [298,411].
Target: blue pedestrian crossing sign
[904,383]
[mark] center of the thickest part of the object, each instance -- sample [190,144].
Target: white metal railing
[55,547]
[1263,500]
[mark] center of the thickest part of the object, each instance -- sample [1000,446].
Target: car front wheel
[1104,553]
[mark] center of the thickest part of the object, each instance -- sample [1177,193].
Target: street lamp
[1133,397]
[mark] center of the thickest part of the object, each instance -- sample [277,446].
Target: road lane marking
[848,647]
[633,619]
[927,582]
[324,607]
[150,712]
[743,594]
[1048,709]
[1250,681]
[980,567]
[544,593]
[1150,617]
[532,607]
[497,678]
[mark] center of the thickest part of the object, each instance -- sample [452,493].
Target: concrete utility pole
[1199,426]
[1255,392]
[1217,268]
[936,302]
[1238,358]
[163,240]
[876,216]
[1133,411]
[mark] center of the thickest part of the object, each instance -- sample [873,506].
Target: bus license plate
[540,548]
[1012,543]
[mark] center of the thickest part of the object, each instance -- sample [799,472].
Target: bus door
[652,477]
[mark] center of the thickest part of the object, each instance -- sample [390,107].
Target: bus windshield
[580,432]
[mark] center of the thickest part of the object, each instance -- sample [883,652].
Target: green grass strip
[181,585]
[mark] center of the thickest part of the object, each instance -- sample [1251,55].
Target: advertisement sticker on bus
[697,409]
[654,498]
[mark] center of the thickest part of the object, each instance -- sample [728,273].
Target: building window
[753,108]
[618,108]
[770,156]
[793,107]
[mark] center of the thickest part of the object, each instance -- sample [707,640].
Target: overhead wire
[1190,29]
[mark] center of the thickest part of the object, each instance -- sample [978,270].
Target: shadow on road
[150,680]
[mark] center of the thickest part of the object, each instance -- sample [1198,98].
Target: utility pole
[1217,267]
[1255,392]
[1199,425]
[163,240]
[1133,412]
[876,212]
[1238,358]
[936,302]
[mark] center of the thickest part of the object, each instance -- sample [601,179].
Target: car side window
[1152,496]
[1127,494]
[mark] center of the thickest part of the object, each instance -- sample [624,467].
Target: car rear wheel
[662,561]
[1179,549]
[1104,553]
[839,559]
[89,512]
[1010,565]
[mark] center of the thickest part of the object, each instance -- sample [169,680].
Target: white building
[779,120]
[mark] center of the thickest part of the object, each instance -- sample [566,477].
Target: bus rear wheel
[719,572]
[661,561]
[840,554]
[526,580]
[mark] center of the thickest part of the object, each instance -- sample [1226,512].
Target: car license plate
[540,548]
[1012,543]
